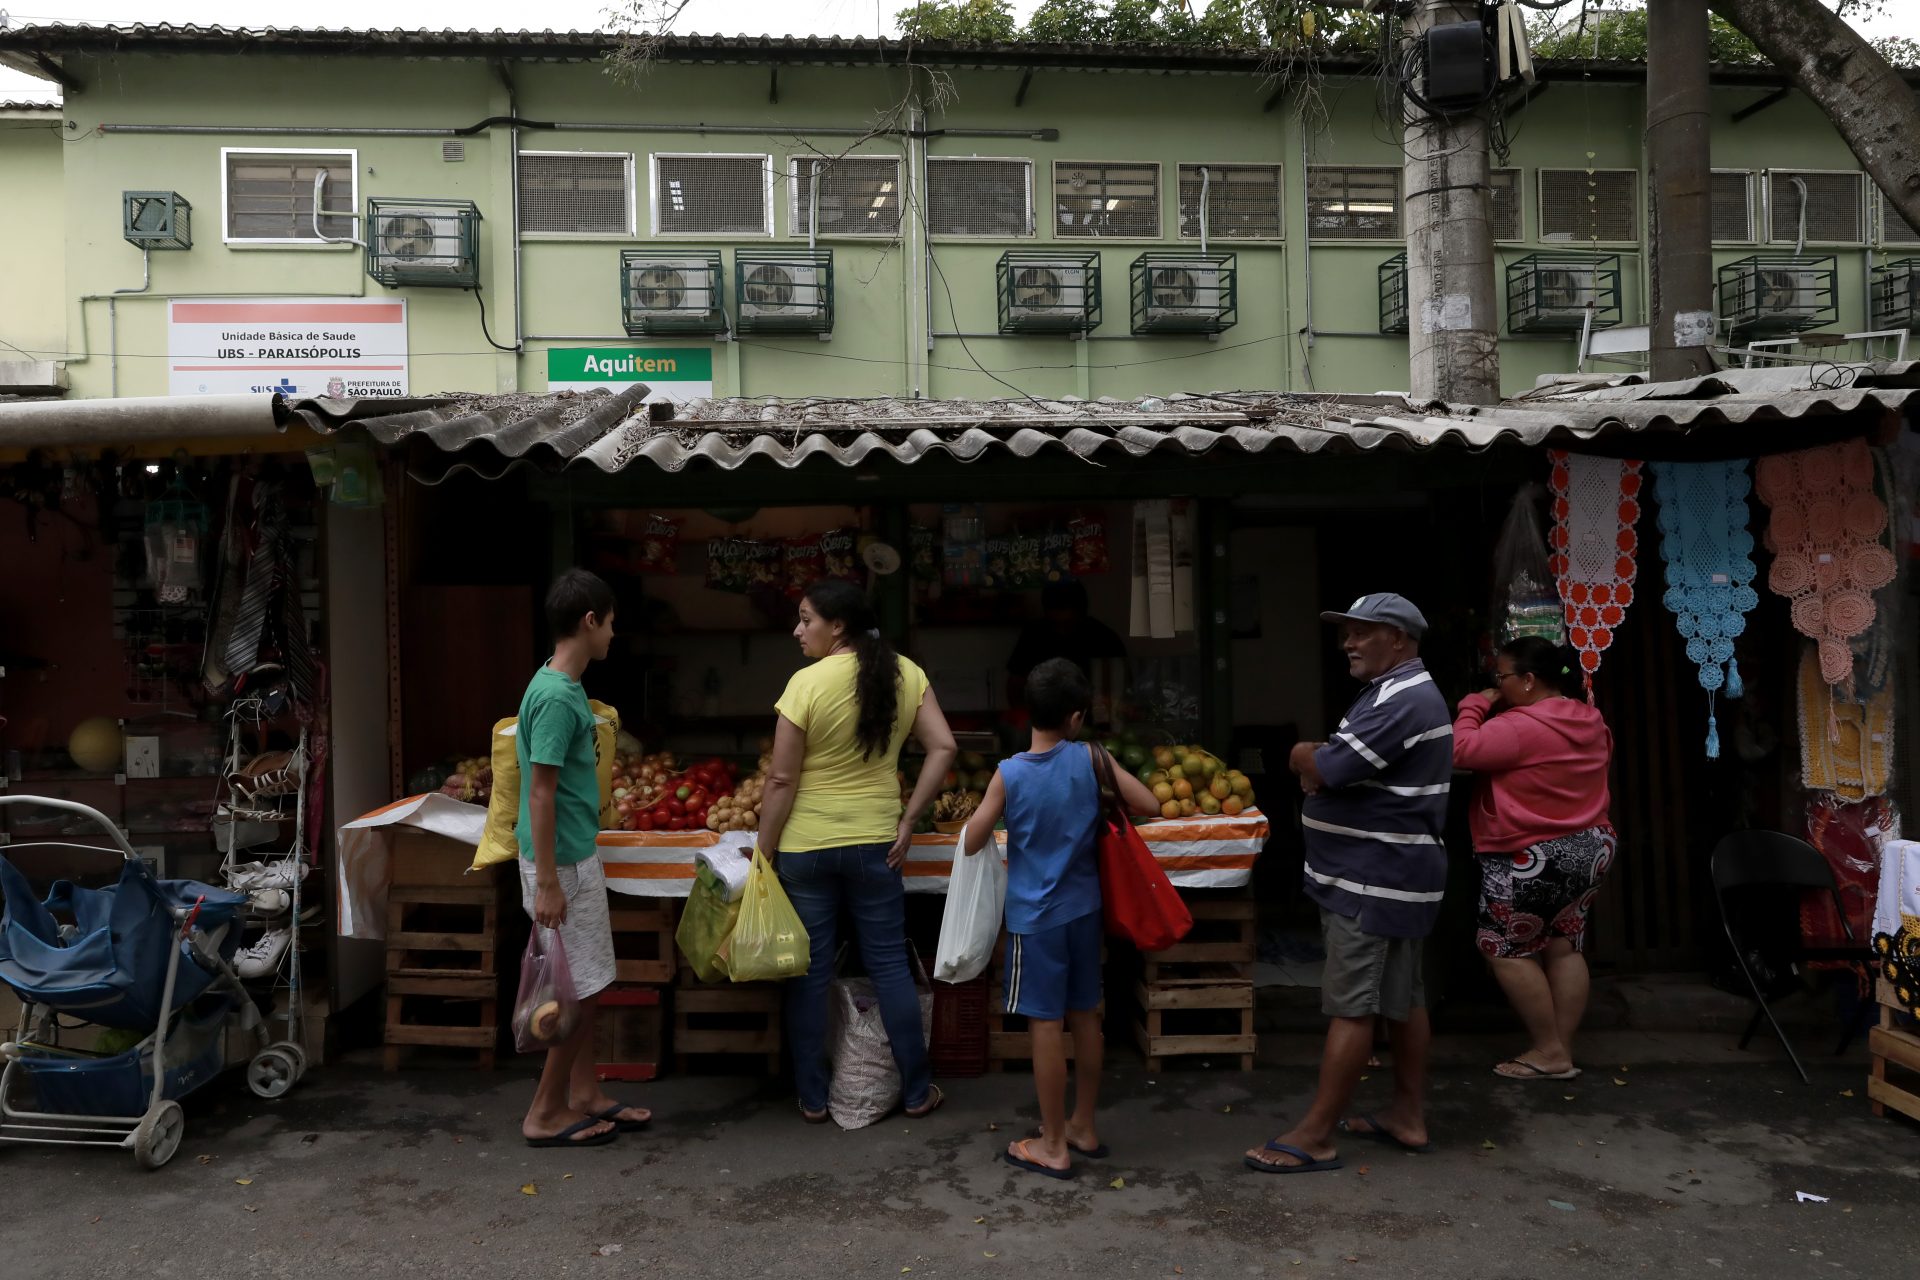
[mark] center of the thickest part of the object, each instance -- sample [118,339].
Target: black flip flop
[1308,1165]
[612,1113]
[565,1137]
[1100,1152]
[1034,1166]
[1376,1132]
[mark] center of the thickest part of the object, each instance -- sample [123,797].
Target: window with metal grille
[576,193]
[1353,202]
[1836,205]
[1895,229]
[967,196]
[712,195]
[1584,205]
[1106,200]
[1243,201]
[1732,206]
[859,195]
[269,194]
[1504,205]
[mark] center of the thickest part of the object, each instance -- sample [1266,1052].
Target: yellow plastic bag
[706,925]
[499,842]
[768,942]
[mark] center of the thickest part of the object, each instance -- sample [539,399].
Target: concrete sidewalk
[1688,1165]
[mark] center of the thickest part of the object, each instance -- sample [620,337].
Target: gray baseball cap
[1385,607]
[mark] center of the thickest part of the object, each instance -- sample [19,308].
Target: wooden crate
[629,1035]
[1008,1044]
[1202,1009]
[444,944]
[1224,932]
[740,1020]
[1895,1047]
[643,938]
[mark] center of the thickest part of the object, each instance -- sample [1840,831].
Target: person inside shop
[562,884]
[832,822]
[1376,803]
[1064,629]
[1539,819]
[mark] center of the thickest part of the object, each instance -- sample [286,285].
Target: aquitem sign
[678,374]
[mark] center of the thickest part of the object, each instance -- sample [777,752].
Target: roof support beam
[1273,99]
[1755,108]
[1020,94]
[773,83]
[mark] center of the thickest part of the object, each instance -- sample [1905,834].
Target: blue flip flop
[1034,1166]
[1377,1132]
[565,1137]
[612,1113]
[1308,1163]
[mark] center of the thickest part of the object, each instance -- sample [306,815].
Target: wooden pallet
[444,978]
[1224,932]
[629,1034]
[1895,1047]
[726,1019]
[1206,1008]
[643,938]
[1008,1044]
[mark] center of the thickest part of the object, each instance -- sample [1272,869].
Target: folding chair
[1750,860]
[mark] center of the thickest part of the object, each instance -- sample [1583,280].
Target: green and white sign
[678,374]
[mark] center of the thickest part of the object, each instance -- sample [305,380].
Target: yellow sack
[503,811]
[498,843]
[705,926]
[768,942]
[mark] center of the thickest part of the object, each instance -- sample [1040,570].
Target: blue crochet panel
[1708,554]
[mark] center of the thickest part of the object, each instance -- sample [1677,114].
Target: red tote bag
[1137,900]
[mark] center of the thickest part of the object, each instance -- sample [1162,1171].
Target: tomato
[698,819]
[676,806]
[676,824]
[641,822]
[697,799]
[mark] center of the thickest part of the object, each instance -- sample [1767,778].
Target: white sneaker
[261,957]
[278,874]
[269,902]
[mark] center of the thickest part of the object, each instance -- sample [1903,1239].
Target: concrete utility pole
[1680,194]
[1453,347]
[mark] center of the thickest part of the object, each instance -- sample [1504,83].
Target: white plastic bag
[976,896]
[866,1082]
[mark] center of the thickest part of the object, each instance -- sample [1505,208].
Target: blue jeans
[818,883]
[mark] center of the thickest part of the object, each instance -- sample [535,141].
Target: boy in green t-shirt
[562,884]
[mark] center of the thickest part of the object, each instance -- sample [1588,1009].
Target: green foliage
[964,20]
[1296,25]
[1622,37]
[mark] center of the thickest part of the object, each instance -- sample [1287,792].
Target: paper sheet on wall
[1137,618]
[1180,531]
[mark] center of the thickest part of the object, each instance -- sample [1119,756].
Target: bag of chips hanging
[1089,546]
[659,547]
[1056,555]
[838,558]
[803,563]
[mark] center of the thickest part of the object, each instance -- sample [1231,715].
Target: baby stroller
[148,959]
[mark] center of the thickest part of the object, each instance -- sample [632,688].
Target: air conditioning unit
[1188,290]
[670,292]
[426,242]
[1048,291]
[1790,294]
[778,290]
[1564,293]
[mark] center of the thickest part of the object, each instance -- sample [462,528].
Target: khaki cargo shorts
[1367,975]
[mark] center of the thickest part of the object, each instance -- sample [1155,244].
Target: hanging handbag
[1137,900]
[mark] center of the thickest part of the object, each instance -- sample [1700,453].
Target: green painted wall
[71,213]
[35,277]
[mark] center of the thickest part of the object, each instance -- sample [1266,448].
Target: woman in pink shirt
[1540,827]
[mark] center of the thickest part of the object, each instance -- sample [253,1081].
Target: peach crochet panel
[1596,504]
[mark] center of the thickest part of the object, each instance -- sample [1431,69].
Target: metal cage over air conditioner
[1393,294]
[1895,294]
[424,243]
[1184,292]
[786,291]
[156,219]
[669,291]
[1778,294]
[1557,292]
[1048,292]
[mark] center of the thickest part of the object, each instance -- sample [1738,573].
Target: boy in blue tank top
[1051,801]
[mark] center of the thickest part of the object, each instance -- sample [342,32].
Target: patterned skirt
[1545,892]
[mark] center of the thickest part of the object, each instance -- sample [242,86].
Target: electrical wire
[479,298]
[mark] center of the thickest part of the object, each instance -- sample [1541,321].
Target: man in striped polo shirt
[1376,804]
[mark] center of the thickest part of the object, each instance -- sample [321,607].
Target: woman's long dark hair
[876,688]
[1555,665]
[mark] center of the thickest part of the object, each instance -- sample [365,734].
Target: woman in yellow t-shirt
[832,820]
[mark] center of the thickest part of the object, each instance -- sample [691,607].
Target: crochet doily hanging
[1702,513]
[1596,503]
[1825,532]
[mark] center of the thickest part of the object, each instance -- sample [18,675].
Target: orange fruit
[1171,809]
[1183,790]
[1209,805]
[1163,791]
[1231,805]
[1220,788]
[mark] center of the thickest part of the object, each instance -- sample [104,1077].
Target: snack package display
[1089,546]
[998,575]
[923,549]
[1025,568]
[838,557]
[963,549]
[728,564]
[803,565]
[659,547]
[1056,555]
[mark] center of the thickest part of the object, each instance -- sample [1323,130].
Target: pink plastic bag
[547,1010]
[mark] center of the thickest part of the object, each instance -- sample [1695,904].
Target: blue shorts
[1056,970]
